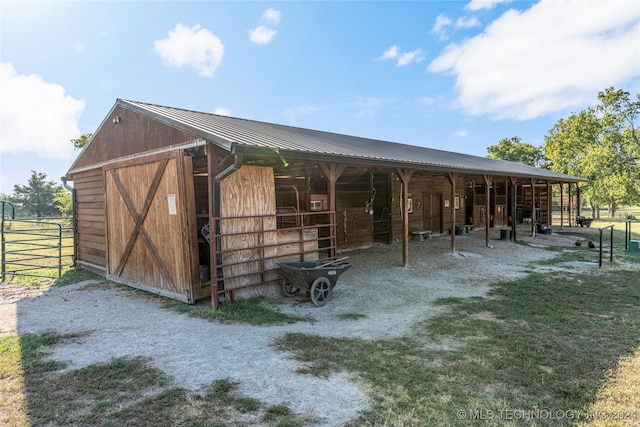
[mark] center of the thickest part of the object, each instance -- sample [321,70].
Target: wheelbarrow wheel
[287,289]
[321,291]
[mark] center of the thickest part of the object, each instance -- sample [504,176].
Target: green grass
[75,275]
[38,245]
[585,254]
[123,391]
[352,316]
[547,341]
[255,311]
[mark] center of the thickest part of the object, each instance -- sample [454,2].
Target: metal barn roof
[243,134]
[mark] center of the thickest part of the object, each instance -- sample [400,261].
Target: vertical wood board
[249,191]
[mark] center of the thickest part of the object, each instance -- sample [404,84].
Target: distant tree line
[600,143]
[41,197]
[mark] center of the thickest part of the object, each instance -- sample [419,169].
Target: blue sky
[453,75]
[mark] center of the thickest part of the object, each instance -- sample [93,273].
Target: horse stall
[192,205]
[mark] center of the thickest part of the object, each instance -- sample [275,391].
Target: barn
[191,205]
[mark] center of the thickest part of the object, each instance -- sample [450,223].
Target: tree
[600,144]
[514,150]
[82,141]
[37,198]
[619,111]
[64,202]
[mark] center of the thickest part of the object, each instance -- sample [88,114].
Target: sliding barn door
[150,240]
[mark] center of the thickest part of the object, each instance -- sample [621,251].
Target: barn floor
[195,352]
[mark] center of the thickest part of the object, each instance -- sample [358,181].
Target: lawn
[36,249]
[558,348]
[543,345]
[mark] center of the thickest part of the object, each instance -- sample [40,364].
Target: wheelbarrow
[316,277]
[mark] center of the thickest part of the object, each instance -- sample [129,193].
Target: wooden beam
[549,205]
[570,201]
[405,176]
[514,197]
[487,207]
[561,206]
[533,206]
[453,177]
[212,170]
[332,172]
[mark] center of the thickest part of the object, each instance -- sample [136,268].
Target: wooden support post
[561,206]
[514,196]
[533,207]
[332,172]
[405,177]
[212,171]
[571,218]
[578,201]
[453,177]
[487,207]
[549,205]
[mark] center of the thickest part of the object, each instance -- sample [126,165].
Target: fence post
[611,245]
[2,245]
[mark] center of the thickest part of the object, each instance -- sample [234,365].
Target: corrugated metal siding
[254,134]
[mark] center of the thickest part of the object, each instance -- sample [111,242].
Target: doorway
[432,212]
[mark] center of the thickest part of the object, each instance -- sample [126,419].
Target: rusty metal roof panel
[250,134]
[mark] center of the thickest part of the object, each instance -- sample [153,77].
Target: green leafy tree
[514,150]
[620,112]
[81,142]
[600,144]
[38,197]
[64,202]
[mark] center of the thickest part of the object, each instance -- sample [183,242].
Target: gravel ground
[196,352]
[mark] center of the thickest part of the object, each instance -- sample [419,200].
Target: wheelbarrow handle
[331,262]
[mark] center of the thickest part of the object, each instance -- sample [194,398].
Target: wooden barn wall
[152,250]
[419,187]
[134,134]
[249,191]
[354,226]
[90,217]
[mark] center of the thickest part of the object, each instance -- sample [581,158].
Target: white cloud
[460,133]
[195,47]
[368,107]
[442,22]
[552,57]
[263,34]
[271,16]
[393,53]
[36,116]
[222,111]
[484,4]
[467,22]
[292,114]
[410,58]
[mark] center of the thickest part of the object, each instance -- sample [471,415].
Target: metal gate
[35,247]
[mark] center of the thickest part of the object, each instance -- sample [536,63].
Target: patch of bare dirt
[376,298]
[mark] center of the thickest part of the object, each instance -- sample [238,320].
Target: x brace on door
[139,218]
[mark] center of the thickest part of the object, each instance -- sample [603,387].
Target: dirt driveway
[195,352]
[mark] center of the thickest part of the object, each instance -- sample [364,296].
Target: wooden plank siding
[420,189]
[90,219]
[133,134]
[249,191]
[150,239]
